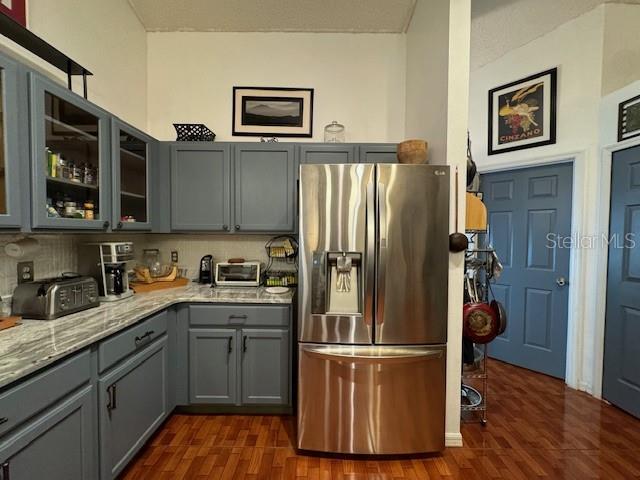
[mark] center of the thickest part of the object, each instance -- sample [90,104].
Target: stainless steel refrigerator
[372,311]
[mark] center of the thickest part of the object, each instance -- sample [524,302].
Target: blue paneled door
[621,381]
[529,214]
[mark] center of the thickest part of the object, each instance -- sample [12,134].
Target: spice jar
[89,210]
[70,209]
[89,177]
[77,173]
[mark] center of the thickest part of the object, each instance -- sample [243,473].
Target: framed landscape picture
[272,111]
[629,119]
[522,114]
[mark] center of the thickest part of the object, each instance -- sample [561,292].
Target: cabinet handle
[119,225]
[225,228]
[4,420]
[241,317]
[230,345]
[6,474]
[146,336]
[111,399]
[237,227]
[106,224]
[244,343]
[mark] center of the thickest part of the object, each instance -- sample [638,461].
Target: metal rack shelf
[477,377]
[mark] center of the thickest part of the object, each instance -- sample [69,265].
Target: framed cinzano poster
[522,114]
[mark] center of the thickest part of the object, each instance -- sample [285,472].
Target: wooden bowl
[412,152]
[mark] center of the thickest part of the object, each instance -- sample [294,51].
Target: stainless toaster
[54,297]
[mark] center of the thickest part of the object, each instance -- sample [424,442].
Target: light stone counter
[36,343]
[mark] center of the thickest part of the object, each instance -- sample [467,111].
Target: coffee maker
[107,262]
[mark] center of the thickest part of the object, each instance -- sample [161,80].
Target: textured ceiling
[361,16]
[499,26]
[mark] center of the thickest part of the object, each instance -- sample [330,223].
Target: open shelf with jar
[69,139]
[131,155]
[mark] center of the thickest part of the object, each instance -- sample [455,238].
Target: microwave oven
[245,274]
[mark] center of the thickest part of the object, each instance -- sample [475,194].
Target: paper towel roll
[22,248]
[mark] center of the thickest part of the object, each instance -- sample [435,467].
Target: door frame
[604,213]
[578,261]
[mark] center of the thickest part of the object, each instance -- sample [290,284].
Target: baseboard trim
[453,439]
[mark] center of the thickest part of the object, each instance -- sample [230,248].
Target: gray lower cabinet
[327,153]
[200,187]
[212,366]
[59,445]
[133,402]
[264,183]
[377,153]
[265,366]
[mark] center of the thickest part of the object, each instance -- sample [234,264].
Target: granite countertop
[37,343]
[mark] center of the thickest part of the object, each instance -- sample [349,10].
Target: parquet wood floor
[538,428]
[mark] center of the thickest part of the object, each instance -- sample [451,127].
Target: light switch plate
[25,272]
[174,256]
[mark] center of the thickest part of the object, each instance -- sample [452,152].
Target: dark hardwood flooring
[538,428]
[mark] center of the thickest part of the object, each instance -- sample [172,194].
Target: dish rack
[282,252]
[475,377]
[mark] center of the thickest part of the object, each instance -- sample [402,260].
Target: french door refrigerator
[372,311]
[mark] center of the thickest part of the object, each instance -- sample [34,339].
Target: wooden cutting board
[152,287]
[8,322]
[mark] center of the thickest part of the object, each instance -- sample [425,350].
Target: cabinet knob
[225,228]
[119,224]
[106,224]
[237,227]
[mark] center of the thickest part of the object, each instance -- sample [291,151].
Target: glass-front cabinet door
[131,186]
[70,159]
[10,214]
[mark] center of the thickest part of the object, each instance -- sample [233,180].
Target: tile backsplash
[191,248]
[57,253]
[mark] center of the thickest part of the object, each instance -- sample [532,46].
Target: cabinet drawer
[260,315]
[125,343]
[39,392]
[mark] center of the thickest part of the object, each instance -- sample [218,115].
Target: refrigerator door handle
[382,252]
[370,256]
[399,355]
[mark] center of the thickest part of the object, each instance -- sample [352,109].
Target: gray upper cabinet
[200,187]
[70,161]
[377,153]
[59,445]
[133,402]
[265,366]
[327,153]
[212,366]
[10,153]
[264,188]
[132,156]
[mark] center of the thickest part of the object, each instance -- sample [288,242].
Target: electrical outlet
[174,256]
[25,272]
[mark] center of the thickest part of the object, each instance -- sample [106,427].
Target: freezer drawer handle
[364,358]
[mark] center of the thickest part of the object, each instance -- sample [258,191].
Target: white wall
[427,76]
[106,38]
[359,79]
[621,54]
